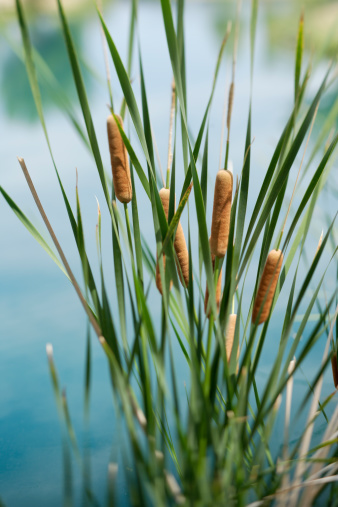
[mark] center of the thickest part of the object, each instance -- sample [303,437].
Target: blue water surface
[38,304]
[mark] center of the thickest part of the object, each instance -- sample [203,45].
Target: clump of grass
[215,446]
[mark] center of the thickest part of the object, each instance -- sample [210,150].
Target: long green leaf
[78,80]
[283,173]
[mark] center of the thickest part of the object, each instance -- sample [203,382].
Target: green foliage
[220,443]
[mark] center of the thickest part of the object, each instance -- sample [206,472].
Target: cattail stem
[58,247]
[232,85]
[106,59]
[171,122]
[222,131]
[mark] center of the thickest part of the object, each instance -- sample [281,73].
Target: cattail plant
[235,455]
[119,161]
[267,286]
[220,224]
[218,291]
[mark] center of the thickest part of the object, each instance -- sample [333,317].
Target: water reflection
[51,56]
[280,24]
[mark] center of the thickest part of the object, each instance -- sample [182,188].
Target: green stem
[226,155]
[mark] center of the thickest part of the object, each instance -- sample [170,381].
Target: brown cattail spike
[218,291]
[229,337]
[164,196]
[267,286]
[334,369]
[220,224]
[182,255]
[119,161]
[179,242]
[158,277]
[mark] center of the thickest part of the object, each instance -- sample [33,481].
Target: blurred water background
[37,303]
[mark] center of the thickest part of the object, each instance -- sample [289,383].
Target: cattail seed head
[119,161]
[334,369]
[49,351]
[230,334]
[182,255]
[267,286]
[164,196]
[158,277]
[220,224]
[179,241]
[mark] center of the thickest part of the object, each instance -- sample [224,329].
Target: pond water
[37,303]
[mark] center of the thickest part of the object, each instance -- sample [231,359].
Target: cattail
[218,291]
[119,161]
[179,242]
[334,369]
[229,337]
[267,286]
[164,196]
[220,224]
[158,276]
[182,255]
